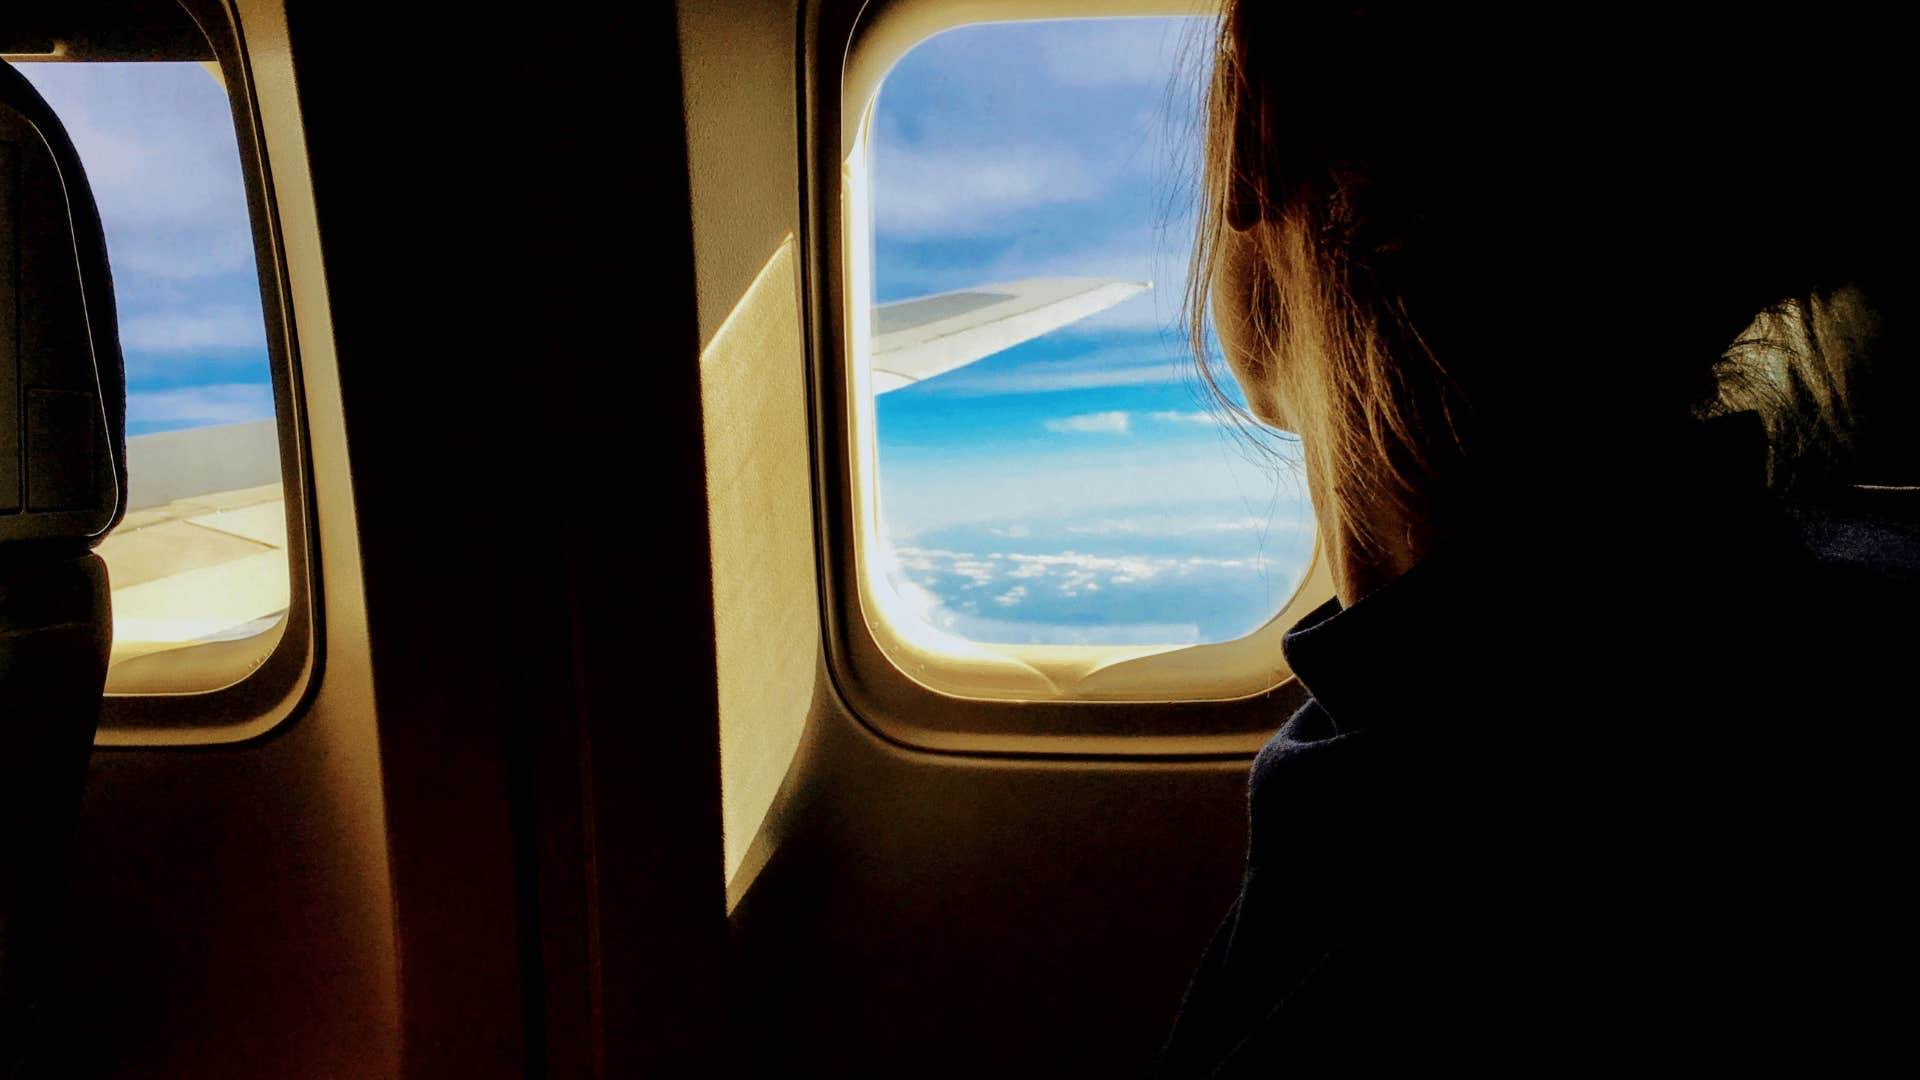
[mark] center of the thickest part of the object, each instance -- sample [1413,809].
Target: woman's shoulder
[1309,731]
[1310,744]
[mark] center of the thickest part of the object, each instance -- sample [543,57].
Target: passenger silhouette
[1598,765]
[1831,376]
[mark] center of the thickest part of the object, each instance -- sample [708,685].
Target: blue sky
[158,146]
[1077,488]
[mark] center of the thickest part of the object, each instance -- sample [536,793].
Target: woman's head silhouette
[1484,261]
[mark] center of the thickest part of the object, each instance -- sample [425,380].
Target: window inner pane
[1051,469]
[201,555]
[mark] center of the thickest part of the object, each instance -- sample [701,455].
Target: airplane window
[1050,469]
[201,556]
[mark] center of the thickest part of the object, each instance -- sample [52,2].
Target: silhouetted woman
[1592,770]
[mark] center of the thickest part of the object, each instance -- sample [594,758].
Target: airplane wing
[929,335]
[201,555]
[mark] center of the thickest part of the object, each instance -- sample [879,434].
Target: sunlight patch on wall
[759,488]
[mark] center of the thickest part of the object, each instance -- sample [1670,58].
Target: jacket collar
[1403,642]
[1551,584]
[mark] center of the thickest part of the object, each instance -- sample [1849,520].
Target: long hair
[1491,250]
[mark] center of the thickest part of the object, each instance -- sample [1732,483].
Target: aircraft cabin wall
[479,841]
[554,798]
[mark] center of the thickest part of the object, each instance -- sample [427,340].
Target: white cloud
[1073,569]
[918,560]
[1046,598]
[919,602]
[1100,423]
[975,570]
[213,327]
[156,141]
[211,253]
[1209,419]
[221,403]
[1142,53]
[962,190]
[1173,526]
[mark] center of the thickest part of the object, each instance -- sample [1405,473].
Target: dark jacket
[1632,798]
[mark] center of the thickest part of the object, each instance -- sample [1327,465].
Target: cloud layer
[1073,597]
[1179,574]
[196,406]
[195,329]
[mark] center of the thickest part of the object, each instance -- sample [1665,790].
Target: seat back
[62,484]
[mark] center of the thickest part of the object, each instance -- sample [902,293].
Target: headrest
[63,392]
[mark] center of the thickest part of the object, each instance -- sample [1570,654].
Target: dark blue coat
[1634,796]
